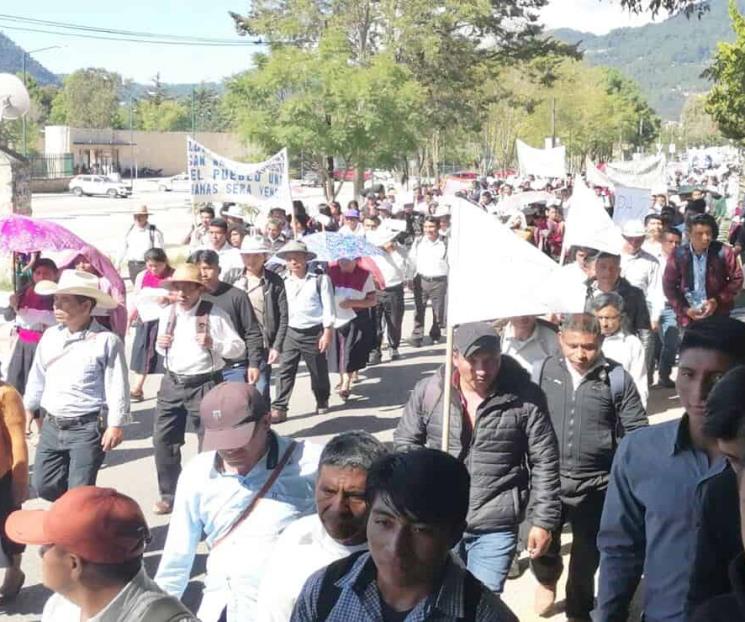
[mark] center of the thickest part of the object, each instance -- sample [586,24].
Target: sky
[205,19]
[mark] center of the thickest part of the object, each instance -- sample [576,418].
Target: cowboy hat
[234,212]
[255,246]
[185,273]
[382,236]
[76,283]
[141,211]
[633,229]
[295,246]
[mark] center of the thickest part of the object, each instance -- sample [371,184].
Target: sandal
[137,396]
[344,394]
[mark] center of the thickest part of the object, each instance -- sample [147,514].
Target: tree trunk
[359,181]
[329,182]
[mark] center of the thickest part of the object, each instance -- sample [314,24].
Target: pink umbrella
[22,234]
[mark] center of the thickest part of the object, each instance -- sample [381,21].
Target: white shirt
[305,307]
[394,266]
[642,270]
[185,356]
[138,241]
[199,237]
[629,352]
[430,258]
[75,374]
[209,500]
[303,548]
[344,316]
[655,249]
[543,342]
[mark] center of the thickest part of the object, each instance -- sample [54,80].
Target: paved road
[375,405]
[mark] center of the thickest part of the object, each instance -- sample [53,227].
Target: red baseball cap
[229,413]
[98,524]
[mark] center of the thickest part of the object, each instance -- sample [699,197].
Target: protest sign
[644,173]
[495,274]
[588,224]
[216,179]
[541,162]
[631,204]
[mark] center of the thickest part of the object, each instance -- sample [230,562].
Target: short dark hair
[610,299]
[210,257]
[719,333]
[706,220]
[355,449]
[220,223]
[45,262]
[375,219]
[156,254]
[207,209]
[581,323]
[616,258]
[422,484]
[121,573]
[725,407]
[674,231]
[432,220]
[696,205]
[652,216]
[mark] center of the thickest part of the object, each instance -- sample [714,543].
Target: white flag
[495,274]
[588,224]
[541,162]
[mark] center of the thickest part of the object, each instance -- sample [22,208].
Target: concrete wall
[59,184]
[155,150]
[15,187]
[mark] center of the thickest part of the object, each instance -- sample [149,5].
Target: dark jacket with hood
[510,452]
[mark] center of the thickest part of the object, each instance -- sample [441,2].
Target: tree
[11,132]
[726,100]
[208,112]
[697,126]
[689,7]
[166,116]
[89,98]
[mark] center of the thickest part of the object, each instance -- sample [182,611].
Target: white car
[177,183]
[89,185]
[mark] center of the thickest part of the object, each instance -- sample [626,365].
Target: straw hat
[141,211]
[255,246]
[185,273]
[234,212]
[633,229]
[76,283]
[295,246]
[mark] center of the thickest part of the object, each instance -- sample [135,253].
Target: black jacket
[718,540]
[585,421]
[275,309]
[728,608]
[511,452]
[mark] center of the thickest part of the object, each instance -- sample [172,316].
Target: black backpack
[330,593]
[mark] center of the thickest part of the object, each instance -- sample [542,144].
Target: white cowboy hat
[295,246]
[234,212]
[381,236]
[633,229]
[76,283]
[255,246]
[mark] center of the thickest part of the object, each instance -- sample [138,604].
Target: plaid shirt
[360,599]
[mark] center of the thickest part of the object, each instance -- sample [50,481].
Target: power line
[113,31]
[236,44]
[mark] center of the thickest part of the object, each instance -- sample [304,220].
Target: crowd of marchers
[548,422]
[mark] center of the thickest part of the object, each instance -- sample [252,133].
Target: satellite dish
[14,99]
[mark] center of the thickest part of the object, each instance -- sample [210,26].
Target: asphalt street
[374,406]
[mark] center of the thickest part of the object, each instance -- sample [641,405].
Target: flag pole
[447,390]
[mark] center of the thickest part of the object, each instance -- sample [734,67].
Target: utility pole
[553,122]
[193,113]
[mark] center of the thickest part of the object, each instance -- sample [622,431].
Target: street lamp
[23,69]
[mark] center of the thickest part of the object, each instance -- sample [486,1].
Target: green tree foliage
[726,100]
[697,126]
[206,106]
[167,116]
[11,132]
[89,98]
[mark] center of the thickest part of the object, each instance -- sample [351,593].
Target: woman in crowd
[33,315]
[354,336]
[13,482]
[236,233]
[145,360]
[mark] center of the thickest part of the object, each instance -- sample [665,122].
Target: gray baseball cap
[475,336]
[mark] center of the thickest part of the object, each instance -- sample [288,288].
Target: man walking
[429,257]
[231,264]
[267,298]
[240,493]
[591,401]
[198,236]
[237,307]
[79,377]
[498,426]
[140,238]
[194,338]
[312,313]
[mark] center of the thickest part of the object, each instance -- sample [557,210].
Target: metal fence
[51,166]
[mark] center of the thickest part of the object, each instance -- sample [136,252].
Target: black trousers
[583,513]
[176,404]
[134,268]
[302,343]
[389,316]
[69,455]
[434,291]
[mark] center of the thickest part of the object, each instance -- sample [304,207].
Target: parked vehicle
[177,183]
[88,185]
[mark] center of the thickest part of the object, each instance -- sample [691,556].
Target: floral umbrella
[332,246]
[22,234]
